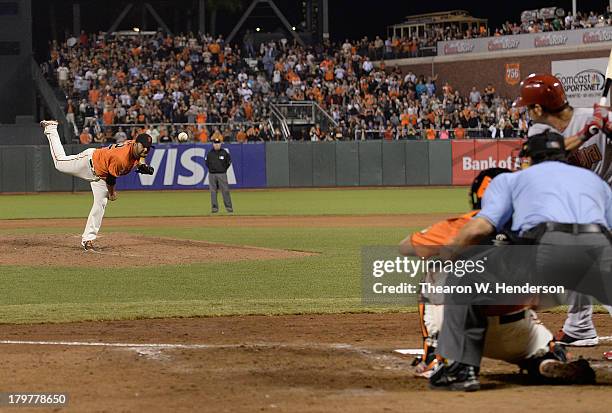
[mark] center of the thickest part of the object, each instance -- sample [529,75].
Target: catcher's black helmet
[480,184]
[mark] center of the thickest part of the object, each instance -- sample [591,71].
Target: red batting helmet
[544,90]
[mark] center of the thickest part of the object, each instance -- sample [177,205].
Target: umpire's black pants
[579,262]
[219,182]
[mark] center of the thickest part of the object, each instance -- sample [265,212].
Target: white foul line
[96,344]
[299,346]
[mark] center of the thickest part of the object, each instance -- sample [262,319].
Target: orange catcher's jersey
[114,160]
[426,243]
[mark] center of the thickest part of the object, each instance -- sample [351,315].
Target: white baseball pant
[512,342]
[80,165]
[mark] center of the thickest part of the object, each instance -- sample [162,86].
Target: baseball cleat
[45,123]
[566,339]
[574,372]
[88,245]
[456,376]
[608,355]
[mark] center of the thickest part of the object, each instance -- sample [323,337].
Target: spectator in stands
[62,76]
[315,133]
[85,138]
[489,94]
[459,132]
[120,136]
[217,135]
[474,96]
[430,133]
[443,133]
[241,136]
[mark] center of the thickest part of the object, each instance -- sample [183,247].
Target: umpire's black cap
[544,145]
[145,139]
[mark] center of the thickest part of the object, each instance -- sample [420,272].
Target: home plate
[410,351]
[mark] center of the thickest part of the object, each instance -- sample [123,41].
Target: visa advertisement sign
[182,166]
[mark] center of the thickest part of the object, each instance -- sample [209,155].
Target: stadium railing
[470,133]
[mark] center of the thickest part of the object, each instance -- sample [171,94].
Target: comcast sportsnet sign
[582,79]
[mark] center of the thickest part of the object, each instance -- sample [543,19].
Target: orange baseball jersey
[114,160]
[426,243]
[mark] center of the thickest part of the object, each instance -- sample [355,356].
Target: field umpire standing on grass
[218,161]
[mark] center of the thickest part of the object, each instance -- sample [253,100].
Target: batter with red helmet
[544,97]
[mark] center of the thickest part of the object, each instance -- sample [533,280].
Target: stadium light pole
[325,8]
[202,16]
[76,18]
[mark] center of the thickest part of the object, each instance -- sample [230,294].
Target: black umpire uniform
[575,253]
[218,161]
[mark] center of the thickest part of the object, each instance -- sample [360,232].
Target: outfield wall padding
[29,168]
[252,162]
[324,164]
[417,162]
[393,163]
[300,164]
[16,161]
[440,163]
[370,163]
[347,164]
[277,164]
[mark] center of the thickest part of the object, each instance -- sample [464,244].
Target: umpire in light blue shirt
[565,211]
[549,191]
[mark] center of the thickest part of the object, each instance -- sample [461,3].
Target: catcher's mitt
[145,169]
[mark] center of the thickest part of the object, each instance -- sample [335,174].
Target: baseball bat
[603,101]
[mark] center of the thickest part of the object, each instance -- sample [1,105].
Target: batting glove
[596,124]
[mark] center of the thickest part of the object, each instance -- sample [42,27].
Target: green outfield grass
[326,282]
[249,202]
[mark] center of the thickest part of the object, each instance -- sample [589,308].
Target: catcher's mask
[547,146]
[480,184]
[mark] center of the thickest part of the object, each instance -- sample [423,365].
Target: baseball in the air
[182,137]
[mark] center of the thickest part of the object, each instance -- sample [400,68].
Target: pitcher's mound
[126,250]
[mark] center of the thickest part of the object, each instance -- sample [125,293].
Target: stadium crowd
[395,47]
[113,82]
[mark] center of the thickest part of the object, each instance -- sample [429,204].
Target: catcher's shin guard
[425,364]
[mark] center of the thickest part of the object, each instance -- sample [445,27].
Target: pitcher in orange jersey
[100,167]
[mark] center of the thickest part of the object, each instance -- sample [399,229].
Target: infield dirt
[298,363]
